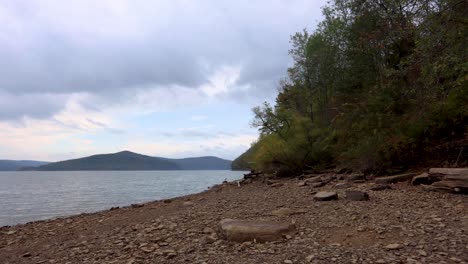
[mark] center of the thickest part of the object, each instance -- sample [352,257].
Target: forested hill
[378,85]
[127,160]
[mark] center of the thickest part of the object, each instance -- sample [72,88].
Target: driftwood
[453,180]
[448,171]
[426,178]
[252,174]
[395,178]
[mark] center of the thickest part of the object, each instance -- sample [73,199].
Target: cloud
[112,48]
[36,105]
[220,145]
[80,77]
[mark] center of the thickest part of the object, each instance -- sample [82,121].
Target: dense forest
[379,86]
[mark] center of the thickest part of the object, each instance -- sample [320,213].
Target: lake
[30,196]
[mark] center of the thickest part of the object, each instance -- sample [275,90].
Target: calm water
[29,196]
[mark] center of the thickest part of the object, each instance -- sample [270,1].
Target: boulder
[260,231]
[356,196]
[326,196]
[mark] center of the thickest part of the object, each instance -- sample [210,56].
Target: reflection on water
[29,196]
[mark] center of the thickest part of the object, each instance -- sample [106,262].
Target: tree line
[378,86]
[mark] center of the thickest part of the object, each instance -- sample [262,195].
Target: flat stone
[356,196]
[248,230]
[326,196]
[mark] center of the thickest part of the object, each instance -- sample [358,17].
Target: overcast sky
[163,78]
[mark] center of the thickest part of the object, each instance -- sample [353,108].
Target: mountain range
[124,160]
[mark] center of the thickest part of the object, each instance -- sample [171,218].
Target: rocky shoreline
[396,223]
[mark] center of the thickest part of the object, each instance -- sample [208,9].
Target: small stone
[288,261]
[27,255]
[310,258]
[422,253]
[208,230]
[302,184]
[455,259]
[188,203]
[209,240]
[326,196]
[393,246]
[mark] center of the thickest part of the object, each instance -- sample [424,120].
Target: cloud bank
[136,56]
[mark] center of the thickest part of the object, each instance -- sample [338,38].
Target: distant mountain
[14,165]
[202,163]
[127,160]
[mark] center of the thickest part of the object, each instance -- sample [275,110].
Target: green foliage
[376,84]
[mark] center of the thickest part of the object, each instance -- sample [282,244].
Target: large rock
[356,196]
[260,231]
[325,196]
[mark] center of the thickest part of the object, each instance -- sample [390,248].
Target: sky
[168,78]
